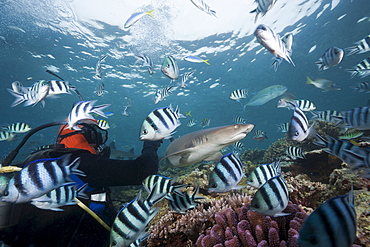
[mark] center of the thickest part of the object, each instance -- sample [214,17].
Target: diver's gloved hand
[152,145]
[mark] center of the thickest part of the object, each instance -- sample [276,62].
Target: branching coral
[244,228]
[175,229]
[226,212]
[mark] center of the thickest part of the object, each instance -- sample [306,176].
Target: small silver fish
[272,42]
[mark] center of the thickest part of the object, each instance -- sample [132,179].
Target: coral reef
[173,229]
[318,165]
[244,228]
[304,192]
[253,155]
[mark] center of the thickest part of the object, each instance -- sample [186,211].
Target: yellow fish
[188,113]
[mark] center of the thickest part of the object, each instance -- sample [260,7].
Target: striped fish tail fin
[98,110]
[196,195]
[352,50]
[320,141]
[72,166]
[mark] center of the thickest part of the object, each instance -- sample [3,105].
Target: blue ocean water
[55,35]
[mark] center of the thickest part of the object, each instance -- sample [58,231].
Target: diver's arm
[101,172]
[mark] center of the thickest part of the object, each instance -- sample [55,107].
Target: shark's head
[236,132]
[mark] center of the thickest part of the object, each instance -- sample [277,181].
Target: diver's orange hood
[75,141]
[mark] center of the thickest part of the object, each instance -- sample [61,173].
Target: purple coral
[245,228]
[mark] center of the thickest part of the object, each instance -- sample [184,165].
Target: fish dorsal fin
[131,150]
[112,145]
[199,140]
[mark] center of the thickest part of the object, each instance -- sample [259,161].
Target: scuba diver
[27,225]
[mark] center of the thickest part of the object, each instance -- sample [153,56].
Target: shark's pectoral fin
[183,153]
[214,157]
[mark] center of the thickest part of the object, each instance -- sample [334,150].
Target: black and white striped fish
[81,110]
[262,7]
[39,177]
[191,123]
[348,152]
[263,173]
[98,66]
[205,122]
[103,124]
[303,104]
[204,7]
[238,145]
[100,90]
[356,118]
[272,42]
[131,221]
[362,87]
[331,224]
[60,87]
[361,155]
[328,116]
[6,135]
[362,69]
[239,120]
[170,68]
[283,127]
[162,93]
[298,126]
[36,93]
[18,128]
[361,46]
[295,153]
[161,123]
[59,197]
[147,61]
[272,198]
[19,88]
[288,41]
[226,175]
[183,202]
[259,135]
[332,56]
[239,94]
[165,185]
[186,77]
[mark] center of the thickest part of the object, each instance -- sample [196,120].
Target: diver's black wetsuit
[73,226]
